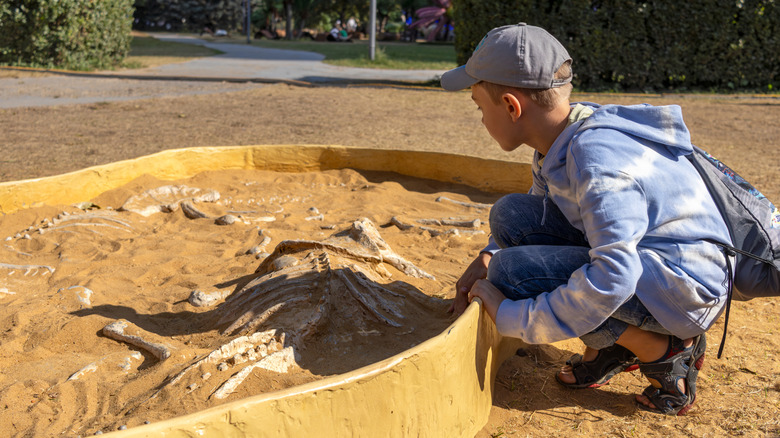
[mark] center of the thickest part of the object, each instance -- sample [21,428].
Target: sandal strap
[685,364]
[608,362]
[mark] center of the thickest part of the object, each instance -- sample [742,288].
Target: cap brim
[457,79]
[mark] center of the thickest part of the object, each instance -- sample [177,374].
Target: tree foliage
[72,34]
[193,15]
[645,45]
[270,15]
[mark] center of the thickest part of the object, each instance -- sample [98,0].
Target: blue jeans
[540,250]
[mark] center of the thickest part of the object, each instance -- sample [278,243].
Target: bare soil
[739,394]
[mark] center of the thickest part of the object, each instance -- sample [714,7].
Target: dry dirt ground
[739,394]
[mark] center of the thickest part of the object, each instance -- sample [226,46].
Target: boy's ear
[512,105]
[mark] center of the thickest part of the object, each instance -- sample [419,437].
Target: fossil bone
[116,330]
[202,299]
[190,211]
[476,223]
[435,231]
[279,362]
[464,204]
[165,199]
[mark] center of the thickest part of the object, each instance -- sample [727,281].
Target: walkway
[238,67]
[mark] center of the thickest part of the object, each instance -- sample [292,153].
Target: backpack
[754,226]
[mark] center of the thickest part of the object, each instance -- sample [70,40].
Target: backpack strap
[729,251]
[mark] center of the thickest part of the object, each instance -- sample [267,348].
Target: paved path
[251,62]
[239,67]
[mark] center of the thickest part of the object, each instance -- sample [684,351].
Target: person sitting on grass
[610,244]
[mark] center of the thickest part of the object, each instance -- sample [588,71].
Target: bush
[193,15]
[645,45]
[71,34]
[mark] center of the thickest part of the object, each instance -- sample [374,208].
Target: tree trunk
[288,28]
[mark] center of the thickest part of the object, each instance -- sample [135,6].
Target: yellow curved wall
[440,388]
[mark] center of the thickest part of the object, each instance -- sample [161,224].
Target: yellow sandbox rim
[440,388]
[82,185]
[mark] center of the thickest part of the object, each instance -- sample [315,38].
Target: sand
[739,394]
[71,271]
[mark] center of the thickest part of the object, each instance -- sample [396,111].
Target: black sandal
[678,363]
[597,372]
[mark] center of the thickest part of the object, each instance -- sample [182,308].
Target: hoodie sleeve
[613,210]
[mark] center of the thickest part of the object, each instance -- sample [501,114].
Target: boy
[608,245]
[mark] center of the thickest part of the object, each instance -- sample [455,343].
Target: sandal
[678,363]
[597,372]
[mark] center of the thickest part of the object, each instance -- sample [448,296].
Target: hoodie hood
[657,124]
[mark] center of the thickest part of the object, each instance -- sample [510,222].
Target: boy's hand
[477,270]
[490,295]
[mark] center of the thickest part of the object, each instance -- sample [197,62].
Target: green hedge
[193,15]
[70,34]
[646,45]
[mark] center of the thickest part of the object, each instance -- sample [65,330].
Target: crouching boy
[609,244]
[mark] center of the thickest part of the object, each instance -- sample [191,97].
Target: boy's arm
[614,216]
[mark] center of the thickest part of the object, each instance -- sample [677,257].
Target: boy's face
[497,119]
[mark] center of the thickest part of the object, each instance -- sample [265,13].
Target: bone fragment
[170,208]
[240,345]
[104,216]
[191,212]
[476,223]
[365,233]
[125,362]
[87,225]
[279,362]
[83,295]
[27,267]
[464,204]
[227,219]
[255,250]
[434,231]
[91,368]
[454,231]
[165,198]
[116,330]
[402,226]
[199,298]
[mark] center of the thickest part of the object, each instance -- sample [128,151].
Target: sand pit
[162,298]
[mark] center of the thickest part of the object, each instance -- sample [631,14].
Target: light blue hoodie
[620,177]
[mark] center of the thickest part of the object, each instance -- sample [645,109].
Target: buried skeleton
[152,325]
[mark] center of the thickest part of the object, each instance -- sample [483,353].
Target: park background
[739,393]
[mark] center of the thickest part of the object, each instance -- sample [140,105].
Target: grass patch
[150,52]
[397,56]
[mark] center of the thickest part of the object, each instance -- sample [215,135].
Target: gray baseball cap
[517,55]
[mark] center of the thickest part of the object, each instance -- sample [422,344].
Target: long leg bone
[116,330]
[476,223]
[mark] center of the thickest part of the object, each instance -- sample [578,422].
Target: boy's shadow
[526,382]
